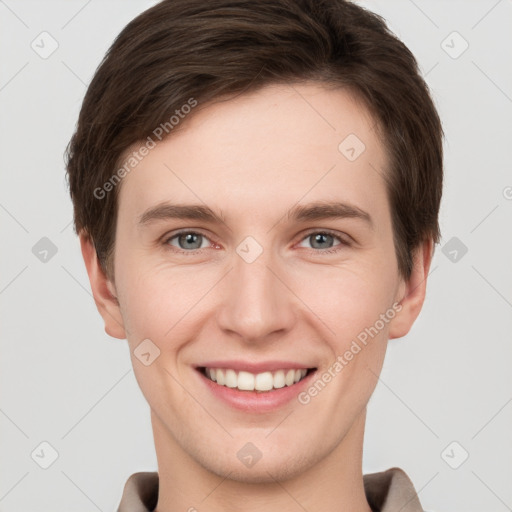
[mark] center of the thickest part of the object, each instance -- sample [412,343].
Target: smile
[246,381]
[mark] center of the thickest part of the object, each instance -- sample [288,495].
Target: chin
[279,467]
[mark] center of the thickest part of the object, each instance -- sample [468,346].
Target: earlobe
[103,290]
[412,293]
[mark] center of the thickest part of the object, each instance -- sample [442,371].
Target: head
[255,111]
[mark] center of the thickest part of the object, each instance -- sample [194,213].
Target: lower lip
[254,401]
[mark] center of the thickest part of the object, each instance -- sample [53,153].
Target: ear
[412,292]
[103,290]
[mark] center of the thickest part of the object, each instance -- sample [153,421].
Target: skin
[253,158]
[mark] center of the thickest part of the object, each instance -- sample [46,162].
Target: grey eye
[189,240]
[319,240]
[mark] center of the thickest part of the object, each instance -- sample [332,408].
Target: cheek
[347,299]
[151,295]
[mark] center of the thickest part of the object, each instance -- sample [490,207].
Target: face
[290,266]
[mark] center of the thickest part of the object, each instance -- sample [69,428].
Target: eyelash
[343,243]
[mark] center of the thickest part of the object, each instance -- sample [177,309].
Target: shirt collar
[386,491]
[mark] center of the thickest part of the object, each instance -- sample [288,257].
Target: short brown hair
[182,49]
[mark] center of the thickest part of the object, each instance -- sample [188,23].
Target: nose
[256,301]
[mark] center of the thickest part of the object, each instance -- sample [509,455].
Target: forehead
[277,146]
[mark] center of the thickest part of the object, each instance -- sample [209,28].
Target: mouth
[263,382]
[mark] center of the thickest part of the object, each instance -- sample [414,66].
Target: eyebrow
[328,210]
[299,213]
[180,211]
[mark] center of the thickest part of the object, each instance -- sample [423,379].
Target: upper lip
[264,366]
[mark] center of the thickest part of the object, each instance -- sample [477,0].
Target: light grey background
[65,382]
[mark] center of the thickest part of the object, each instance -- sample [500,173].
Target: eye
[323,240]
[192,241]
[188,241]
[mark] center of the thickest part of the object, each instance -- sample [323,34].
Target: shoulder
[140,492]
[391,490]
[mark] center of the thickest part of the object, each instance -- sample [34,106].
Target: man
[256,187]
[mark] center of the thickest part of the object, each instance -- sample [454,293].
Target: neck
[333,484]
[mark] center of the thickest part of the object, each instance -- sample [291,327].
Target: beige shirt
[386,491]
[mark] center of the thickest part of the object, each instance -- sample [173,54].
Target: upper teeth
[246,381]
